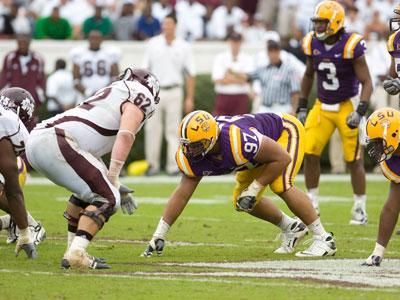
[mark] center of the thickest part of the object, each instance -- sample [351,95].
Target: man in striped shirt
[279,84]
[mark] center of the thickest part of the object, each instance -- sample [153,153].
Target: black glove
[354,118]
[392,86]
[302,110]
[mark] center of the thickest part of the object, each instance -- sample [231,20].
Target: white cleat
[38,233]
[359,215]
[321,246]
[293,234]
[372,261]
[80,259]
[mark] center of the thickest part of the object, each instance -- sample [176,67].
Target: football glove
[248,197]
[156,244]
[354,118]
[128,203]
[27,246]
[302,115]
[302,110]
[372,260]
[392,86]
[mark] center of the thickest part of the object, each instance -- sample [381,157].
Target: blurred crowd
[197,20]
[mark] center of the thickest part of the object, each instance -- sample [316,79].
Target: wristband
[362,108]
[255,187]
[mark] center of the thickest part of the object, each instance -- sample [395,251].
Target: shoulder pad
[307,43]
[349,47]
[235,141]
[389,174]
[183,163]
[391,47]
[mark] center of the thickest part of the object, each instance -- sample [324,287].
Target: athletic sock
[285,221]
[5,222]
[71,236]
[162,229]
[317,228]
[313,194]
[79,242]
[360,200]
[379,250]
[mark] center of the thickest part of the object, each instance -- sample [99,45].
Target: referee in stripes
[280,86]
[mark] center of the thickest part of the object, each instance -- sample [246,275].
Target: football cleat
[154,245]
[321,246]
[12,234]
[372,260]
[291,236]
[27,246]
[66,265]
[38,233]
[80,259]
[359,216]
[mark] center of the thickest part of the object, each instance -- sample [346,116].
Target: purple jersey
[239,140]
[391,168]
[336,78]
[393,47]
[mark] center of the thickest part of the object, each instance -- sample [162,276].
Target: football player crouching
[68,148]
[383,132]
[7,223]
[16,109]
[264,150]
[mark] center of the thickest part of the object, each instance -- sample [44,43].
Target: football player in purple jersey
[383,132]
[263,150]
[338,59]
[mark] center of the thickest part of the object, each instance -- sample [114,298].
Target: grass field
[212,252]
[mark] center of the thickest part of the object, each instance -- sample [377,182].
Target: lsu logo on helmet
[383,133]
[198,133]
[333,14]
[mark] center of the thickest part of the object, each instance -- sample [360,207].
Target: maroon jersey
[239,140]
[24,71]
[336,78]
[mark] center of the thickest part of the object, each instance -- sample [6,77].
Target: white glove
[392,86]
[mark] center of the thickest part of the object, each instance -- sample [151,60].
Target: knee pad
[102,214]
[71,220]
[78,202]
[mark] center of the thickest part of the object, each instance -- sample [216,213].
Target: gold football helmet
[383,134]
[198,133]
[333,14]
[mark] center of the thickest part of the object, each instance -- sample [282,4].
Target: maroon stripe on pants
[357,146]
[85,170]
[99,129]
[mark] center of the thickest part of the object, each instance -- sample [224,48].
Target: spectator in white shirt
[252,29]
[189,14]
[162,9]
[353,21]
[225,19]
[231,93]
[170,59]
[60,90]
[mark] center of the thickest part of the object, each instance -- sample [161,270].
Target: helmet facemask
[378,150]
[322,36]
[395,22]
[196,150]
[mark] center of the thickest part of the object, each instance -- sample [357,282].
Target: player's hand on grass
[27,246]
[392,86]
[155,245]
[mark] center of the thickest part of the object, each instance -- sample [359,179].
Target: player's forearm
[119,154]
[306,85]
[366,90]
[174,208]
[273,170]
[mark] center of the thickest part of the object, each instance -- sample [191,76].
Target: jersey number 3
[332,82]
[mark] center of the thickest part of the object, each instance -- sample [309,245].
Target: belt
[169,87]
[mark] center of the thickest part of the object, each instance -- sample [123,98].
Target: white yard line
[213,179]
[346,271]
[205,277]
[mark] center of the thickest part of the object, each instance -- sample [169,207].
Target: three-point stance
[264,149]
